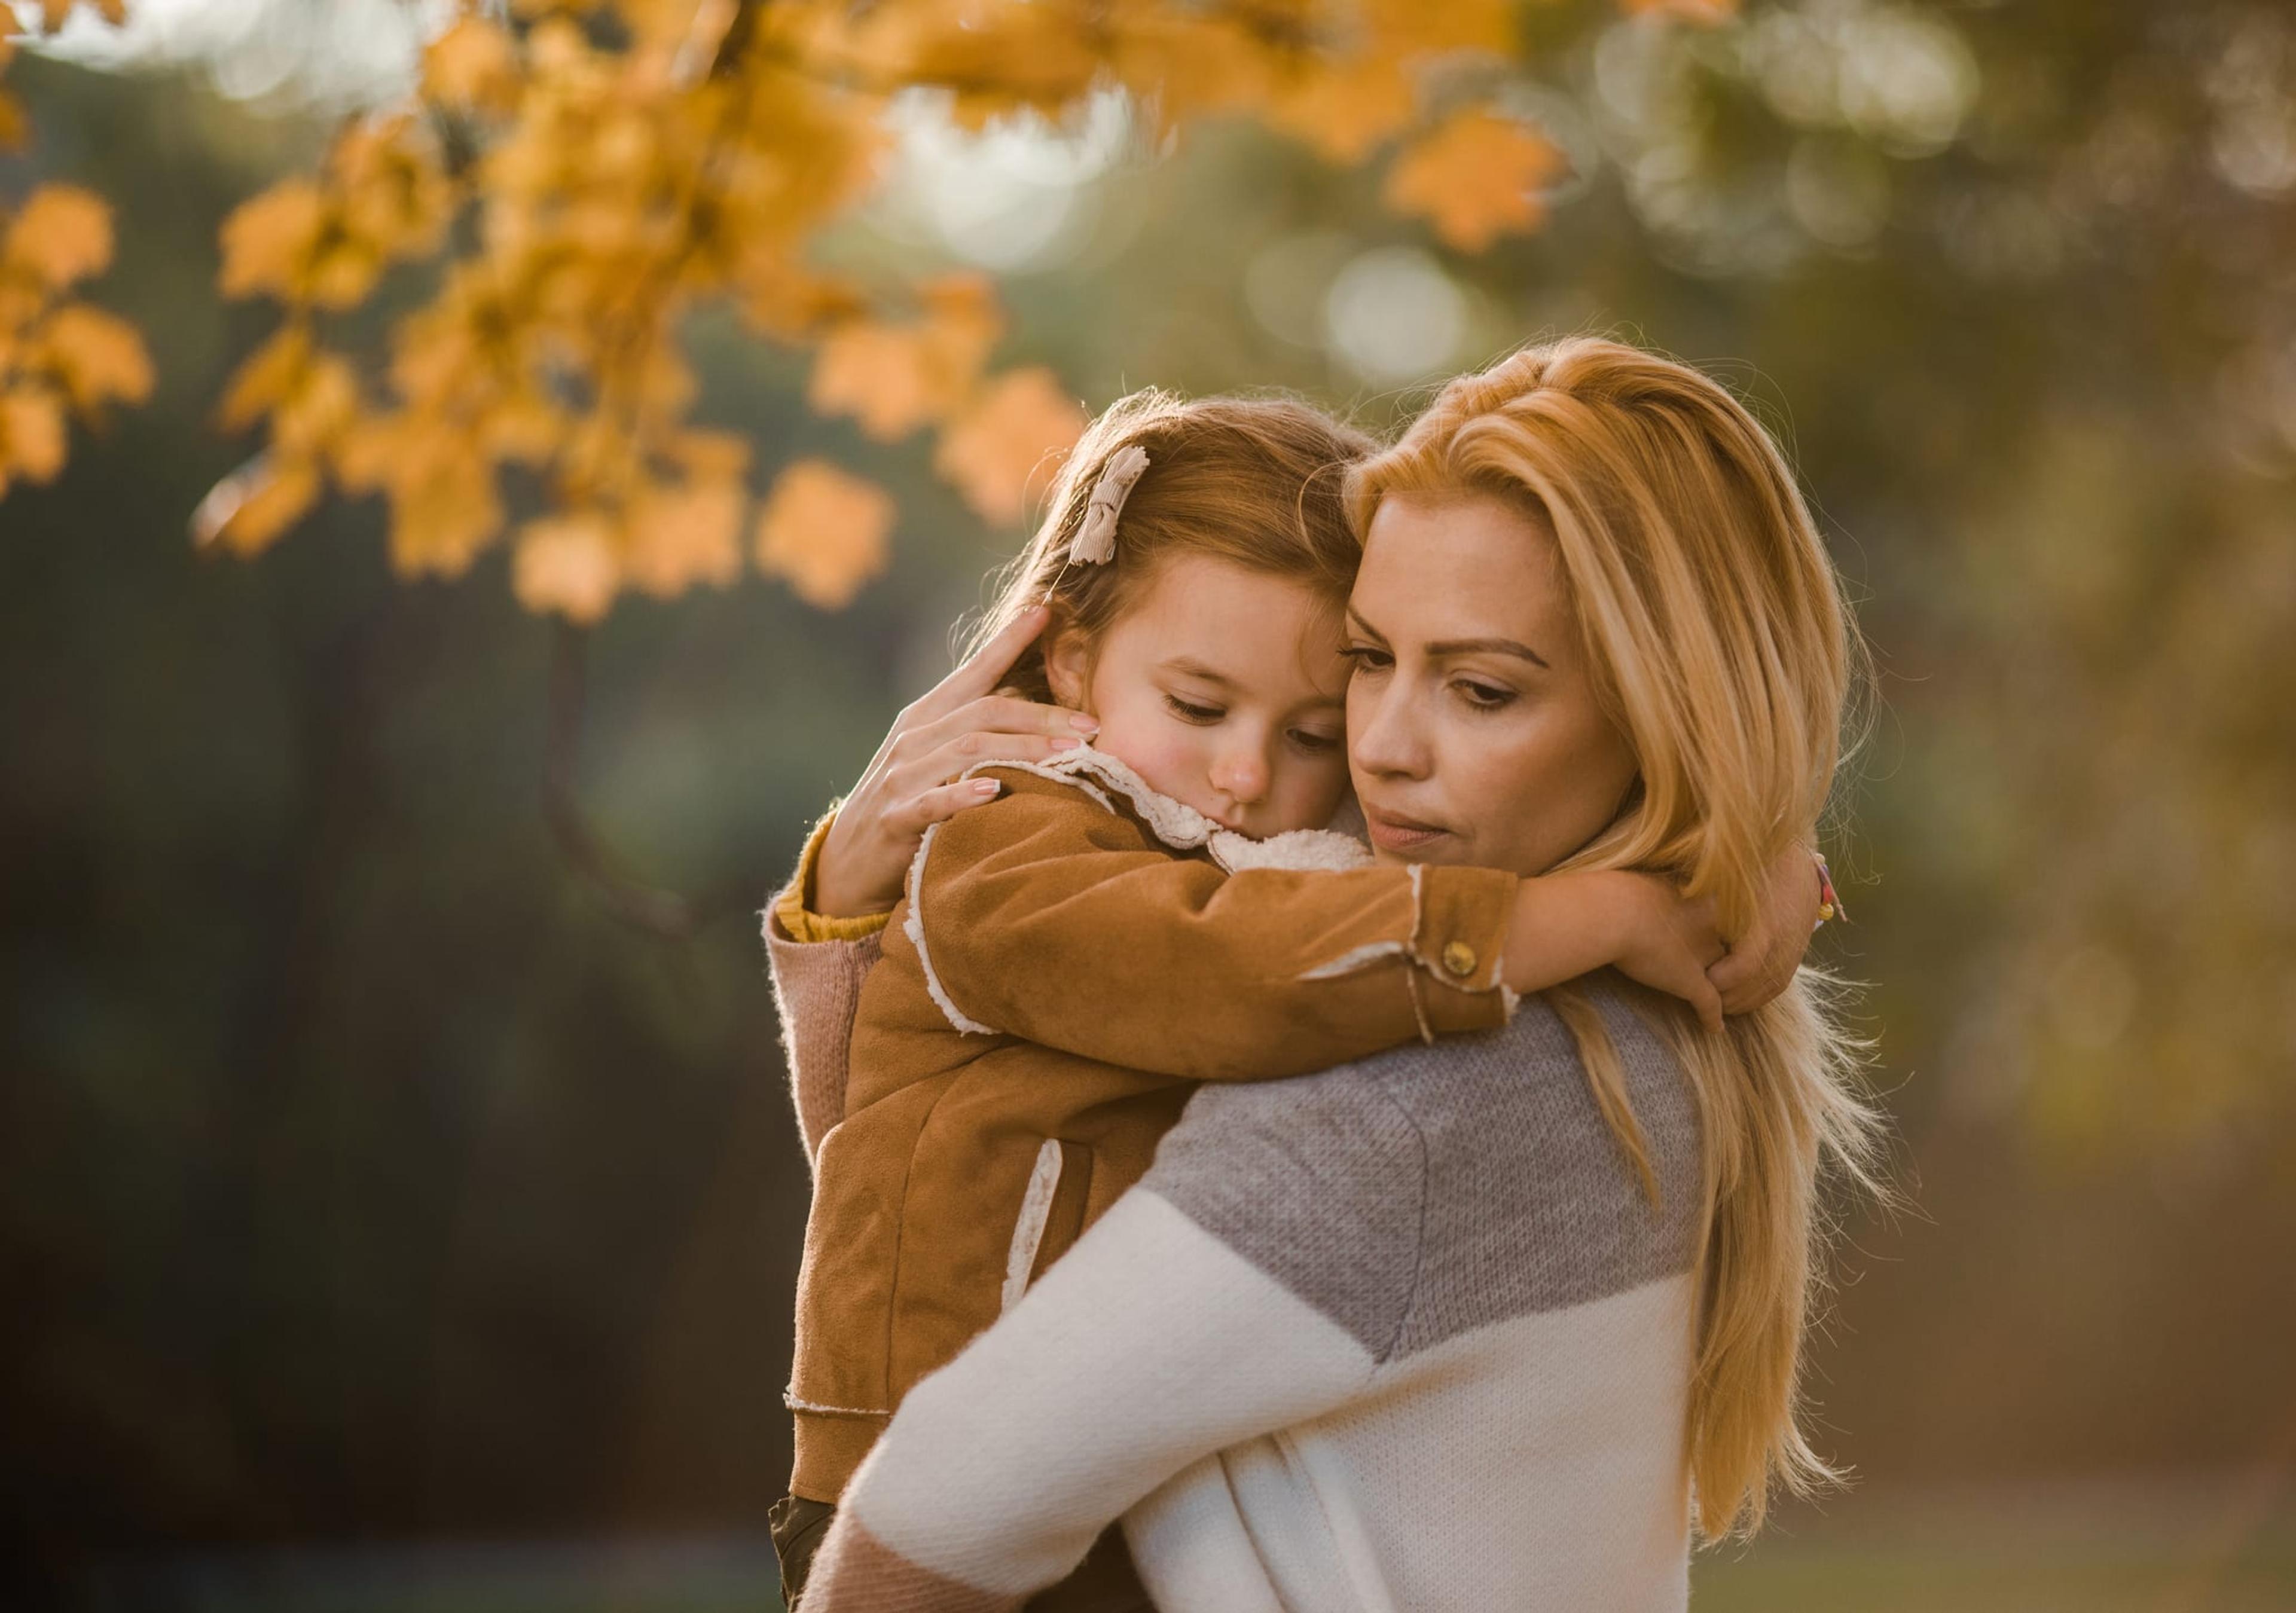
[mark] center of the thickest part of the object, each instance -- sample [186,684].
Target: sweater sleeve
[1156,1342]
[1047,916]
[817,966]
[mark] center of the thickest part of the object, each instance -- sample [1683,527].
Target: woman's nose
[1382,741]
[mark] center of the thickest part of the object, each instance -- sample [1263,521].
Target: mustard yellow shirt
[793,908]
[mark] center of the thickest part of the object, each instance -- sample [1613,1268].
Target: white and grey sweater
[1405,1335]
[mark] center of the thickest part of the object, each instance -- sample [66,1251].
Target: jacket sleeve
[817,966]
[1049,917]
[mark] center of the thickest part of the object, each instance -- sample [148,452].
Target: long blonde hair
[1713,622]
[1259,482]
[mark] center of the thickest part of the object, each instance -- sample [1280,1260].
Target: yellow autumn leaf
[566,564]
[473,65]
[99,356]
[824,530]
[1426,27]
[269,239]
[680,535]
[1343,109]
[315,410]
[247,511]
[15,129]
[444,506]
[62,233]
[893,379]
[1708,12]
[1475,177]
[265,377]
[31,435]
[1004,448]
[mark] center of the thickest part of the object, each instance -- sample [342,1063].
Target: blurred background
[401,1206]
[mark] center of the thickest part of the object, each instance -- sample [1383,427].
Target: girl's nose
[1240,774]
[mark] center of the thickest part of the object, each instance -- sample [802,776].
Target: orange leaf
[896,377]
[1708,12]
[248,511]
[97,356]
[15,129]
[825,531]
[566,563]
[268,239]
[323,401]
[683,535]
[63,233]
[265,377]
[472,64]
[1343,109]
[444,508]
[1476,177]
[1004,448]
[31,435]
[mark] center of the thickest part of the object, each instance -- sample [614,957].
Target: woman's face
[1474,735]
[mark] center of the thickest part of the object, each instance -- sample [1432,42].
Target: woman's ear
[1068,667]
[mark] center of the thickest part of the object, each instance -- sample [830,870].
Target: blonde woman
[1504,1320]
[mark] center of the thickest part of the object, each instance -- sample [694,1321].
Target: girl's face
[1474,732]
[1223,687]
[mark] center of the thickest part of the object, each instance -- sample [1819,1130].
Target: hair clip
[1094,543]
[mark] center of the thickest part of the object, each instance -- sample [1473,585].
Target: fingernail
[1064,741]
[985,787]
[1084,724]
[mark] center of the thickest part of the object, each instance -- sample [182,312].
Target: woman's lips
[1392,832]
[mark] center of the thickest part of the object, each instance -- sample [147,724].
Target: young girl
[1163,906]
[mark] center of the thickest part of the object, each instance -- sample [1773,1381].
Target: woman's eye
[1483,697]
[1367,658]
[1189,712]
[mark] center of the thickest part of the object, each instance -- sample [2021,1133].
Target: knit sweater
[1403,1335]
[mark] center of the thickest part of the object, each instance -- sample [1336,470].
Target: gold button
[1459,958]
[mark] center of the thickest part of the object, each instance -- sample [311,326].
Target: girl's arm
[1049,916]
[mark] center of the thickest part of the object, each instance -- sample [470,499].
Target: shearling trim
[1028,1227]
[792,1401]
[1361,957]
[1300,848]
[915,925]
[1181,826]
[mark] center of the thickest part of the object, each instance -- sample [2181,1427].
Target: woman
[1493,1323]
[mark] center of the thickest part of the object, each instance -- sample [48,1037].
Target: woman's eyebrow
[1355,617]
[1487,646]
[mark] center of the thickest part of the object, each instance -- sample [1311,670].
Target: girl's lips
[1390,832]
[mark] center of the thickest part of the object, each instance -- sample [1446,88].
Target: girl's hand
[1762,964]
[1667,941]
[1566,925]
[908,785]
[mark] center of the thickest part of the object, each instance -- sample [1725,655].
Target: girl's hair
[1718,642]
[1256,481]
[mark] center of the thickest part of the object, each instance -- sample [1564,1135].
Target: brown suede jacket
[1070,960]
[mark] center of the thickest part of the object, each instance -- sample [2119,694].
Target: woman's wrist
[805,914]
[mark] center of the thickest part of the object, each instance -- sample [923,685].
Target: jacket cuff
[1459,943]
[793,911]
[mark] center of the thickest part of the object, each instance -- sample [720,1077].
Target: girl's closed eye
[1188,711]
[1314,744]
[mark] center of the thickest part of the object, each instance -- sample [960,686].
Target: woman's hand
[1566,925]
[908,786]
[1762,964]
